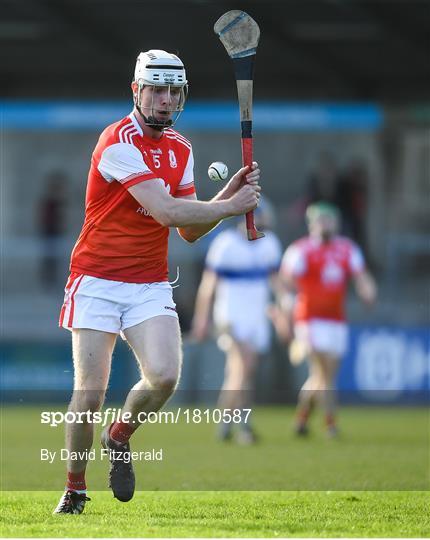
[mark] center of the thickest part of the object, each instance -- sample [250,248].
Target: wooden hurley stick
[239,34]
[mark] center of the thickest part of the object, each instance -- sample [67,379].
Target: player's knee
[87,400]
[165,383]
[249,369]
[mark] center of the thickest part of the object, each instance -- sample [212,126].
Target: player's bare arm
[281,313]
[196,231]
[285,289]
[171,212]
[365,287]
[203,307]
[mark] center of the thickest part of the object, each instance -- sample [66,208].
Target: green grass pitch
[373,481]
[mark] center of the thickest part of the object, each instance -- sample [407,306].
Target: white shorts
[322,335]
[113,306]
[256,334]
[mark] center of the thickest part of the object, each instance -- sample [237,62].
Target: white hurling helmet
[160,68]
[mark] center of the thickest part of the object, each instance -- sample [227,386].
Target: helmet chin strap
[150,120]
[158,125]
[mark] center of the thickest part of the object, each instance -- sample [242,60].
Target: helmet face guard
[156,68]
[149,113]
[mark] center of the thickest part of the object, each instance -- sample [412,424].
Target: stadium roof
[309,49]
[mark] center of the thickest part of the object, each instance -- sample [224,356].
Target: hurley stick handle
[247,149]
[244,68]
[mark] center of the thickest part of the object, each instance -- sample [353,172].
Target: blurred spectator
[51,227]
[351,199]
[321,185]
[323,179]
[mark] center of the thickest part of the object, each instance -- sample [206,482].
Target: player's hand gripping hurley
[239,34]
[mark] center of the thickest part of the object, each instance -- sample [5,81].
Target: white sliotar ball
[217,171]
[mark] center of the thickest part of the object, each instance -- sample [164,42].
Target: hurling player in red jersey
[319,267]
[140,183]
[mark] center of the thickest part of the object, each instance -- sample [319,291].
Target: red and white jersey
[120,240]
[321,272]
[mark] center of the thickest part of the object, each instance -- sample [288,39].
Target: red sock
[76,481]
[303,415]
[330,420]
[121,431]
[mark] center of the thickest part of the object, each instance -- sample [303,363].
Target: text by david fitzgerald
[102,454]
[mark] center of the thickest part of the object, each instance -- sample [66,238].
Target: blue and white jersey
[243,269]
